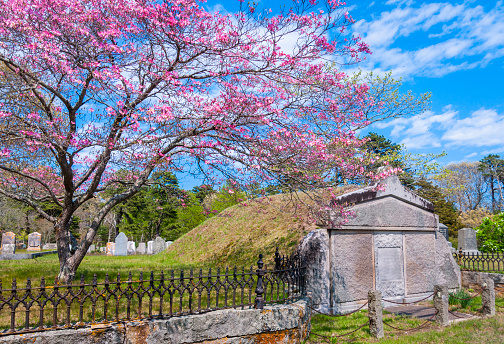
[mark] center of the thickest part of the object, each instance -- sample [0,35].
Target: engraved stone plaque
[390,264]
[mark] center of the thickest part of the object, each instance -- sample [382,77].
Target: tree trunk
[62,231]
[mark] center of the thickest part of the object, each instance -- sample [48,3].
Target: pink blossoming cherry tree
[88,88]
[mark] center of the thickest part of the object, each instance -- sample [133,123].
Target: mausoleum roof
[389,187]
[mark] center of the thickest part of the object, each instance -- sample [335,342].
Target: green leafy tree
[445,209]
[490,234]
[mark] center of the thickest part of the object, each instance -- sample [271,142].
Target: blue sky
[455,50]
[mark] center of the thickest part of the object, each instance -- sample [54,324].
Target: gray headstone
[159,245]
[141,248]
[50,246]
[8,248]
[131,248]
[443,229]
[121,245]
[168,243]
[34,240]
[467,240]
[92,248]
[149,247]
[8,238]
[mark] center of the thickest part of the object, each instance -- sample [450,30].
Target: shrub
[490,234]
[461,297]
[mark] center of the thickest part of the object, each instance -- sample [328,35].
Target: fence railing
[480,261]
[42,307]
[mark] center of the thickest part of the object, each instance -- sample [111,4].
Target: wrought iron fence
[37,308]
[480,261]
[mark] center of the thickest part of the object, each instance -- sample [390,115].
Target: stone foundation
[474,278]
[282,324]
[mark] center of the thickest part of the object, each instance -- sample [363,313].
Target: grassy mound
[236,236]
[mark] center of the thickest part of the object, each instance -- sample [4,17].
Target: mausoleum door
[389,264]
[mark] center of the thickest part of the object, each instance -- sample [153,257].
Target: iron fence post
[259,300]
[278,260]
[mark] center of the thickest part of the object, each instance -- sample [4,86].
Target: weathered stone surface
[315,249]
[159,245]
[390,186]
[441,304]
[121,245]
[50,246]
[149,247]
[420,253]
[447,269]
[110,248]
[284,324]
[8,248]
[92,248]
[389,263]
[34,240]
[488,296]
[443,229]
[351,265]
[131,248]
[8,238]
[472,278]
[375,313]
[390,212]
[387,239]
[467,239]
[141,248]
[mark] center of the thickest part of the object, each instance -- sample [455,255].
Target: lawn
[99,264]
[487,330]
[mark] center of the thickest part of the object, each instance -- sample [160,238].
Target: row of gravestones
[9,242]
[123,247]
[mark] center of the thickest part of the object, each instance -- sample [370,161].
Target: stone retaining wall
[20,256]
[282,324]
[472,278]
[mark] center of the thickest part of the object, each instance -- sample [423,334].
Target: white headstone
[121,245]
[159,245]
[92,248]
[131,248]
[149,246]
[50,246]
[8,248]
[141,248]
[168,243]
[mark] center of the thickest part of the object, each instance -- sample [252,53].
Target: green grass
[487,330]
[48,266]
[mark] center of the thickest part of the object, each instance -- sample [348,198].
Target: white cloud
[471,155]
[473,38]
[482,128]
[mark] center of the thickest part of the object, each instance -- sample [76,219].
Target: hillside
[238,234]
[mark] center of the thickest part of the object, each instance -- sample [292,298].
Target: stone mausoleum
[391,243]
